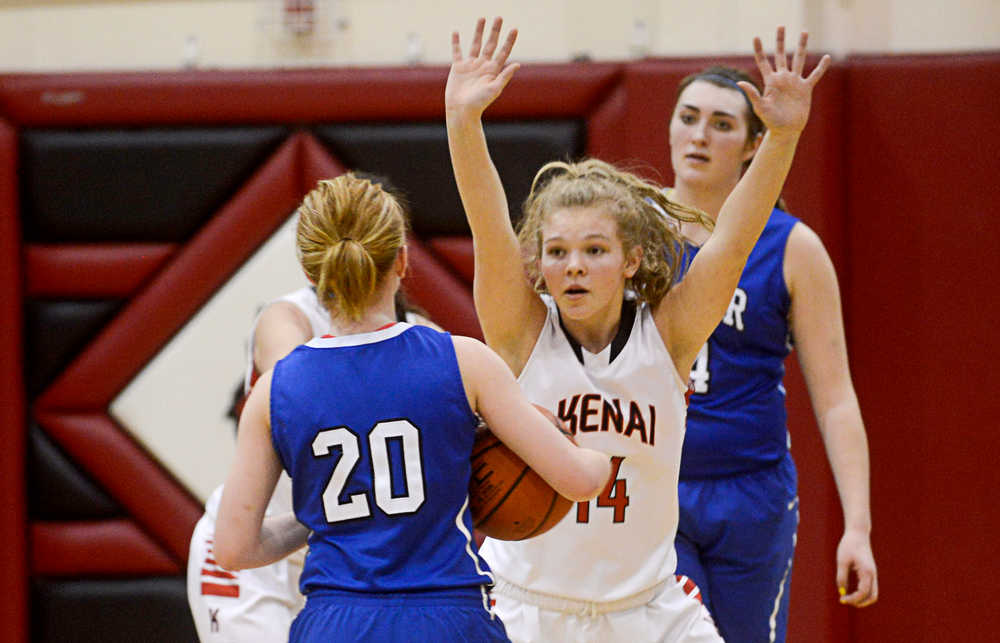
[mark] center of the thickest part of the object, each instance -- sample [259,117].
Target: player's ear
[402,262]
[633,259]
[752,146]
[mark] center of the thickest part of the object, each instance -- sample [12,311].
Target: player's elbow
[232,563]
[226,553]
[590,479]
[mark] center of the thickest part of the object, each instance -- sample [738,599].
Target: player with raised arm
[600,335]
[738,483]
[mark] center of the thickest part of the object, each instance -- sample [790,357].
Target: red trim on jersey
[214,589]
[690,587]
[217,573]
[389,325]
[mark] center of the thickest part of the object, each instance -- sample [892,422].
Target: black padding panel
[55,332]
[152,185]
[150,610]
[415,158]
[58,489]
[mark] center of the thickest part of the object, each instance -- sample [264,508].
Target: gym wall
[130,202]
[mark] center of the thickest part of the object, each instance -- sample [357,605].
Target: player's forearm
[280,536]
[749,205]
[847,450]
[476,176]
[237,546]
[496,249]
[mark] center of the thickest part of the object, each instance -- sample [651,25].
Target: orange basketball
[508,500]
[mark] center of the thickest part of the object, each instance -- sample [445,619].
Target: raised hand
[784,105]
[476,81]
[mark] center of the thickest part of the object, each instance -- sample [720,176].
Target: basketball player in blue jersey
[258,605]
[600,335]
[374,423]
[738,490]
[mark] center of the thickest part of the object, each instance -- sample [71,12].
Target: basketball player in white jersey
[254,604]
[600,335]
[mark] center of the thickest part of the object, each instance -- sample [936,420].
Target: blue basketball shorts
[448,616]
[736,539]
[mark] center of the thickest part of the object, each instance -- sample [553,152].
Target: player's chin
[576,306]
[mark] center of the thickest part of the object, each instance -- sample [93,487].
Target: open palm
[476,81]
[784,104]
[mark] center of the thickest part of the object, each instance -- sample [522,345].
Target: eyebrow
[592,235]
[717,112]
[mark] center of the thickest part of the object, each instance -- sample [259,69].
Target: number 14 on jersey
[614,496]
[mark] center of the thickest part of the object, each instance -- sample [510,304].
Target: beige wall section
[72,35]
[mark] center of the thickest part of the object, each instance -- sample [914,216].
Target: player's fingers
[824,64]
[780,62]
[843,570]
[799,59]
[874,593]
[493,38]
[868,584]
[862,595]
[507,46]
[752,94]
[477,39]
[760,58]
[508,72]
[456,47]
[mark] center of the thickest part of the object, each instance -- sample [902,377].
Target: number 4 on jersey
[700,374]
[615,495]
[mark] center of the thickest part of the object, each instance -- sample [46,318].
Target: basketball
[508,500]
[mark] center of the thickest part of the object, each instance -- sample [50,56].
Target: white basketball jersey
[305,300]
[633,409]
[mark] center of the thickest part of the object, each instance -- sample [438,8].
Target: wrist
[462,114]
[859,528]
[783,136]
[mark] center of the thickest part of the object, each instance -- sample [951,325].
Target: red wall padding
[896,171]
[286,96]
[13,427]
[177,292]
[109,547]
[924,239]
[92,270]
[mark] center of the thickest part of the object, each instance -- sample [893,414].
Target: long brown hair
[646,219]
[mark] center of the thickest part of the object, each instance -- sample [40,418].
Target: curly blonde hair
[348,235]
[646,219]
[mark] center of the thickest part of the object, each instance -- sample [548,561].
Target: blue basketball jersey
[736,419]
[376,433]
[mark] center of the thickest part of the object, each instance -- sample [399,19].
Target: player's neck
[381,313]
[707,199]
[594,333]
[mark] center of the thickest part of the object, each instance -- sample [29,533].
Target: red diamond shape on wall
[74,409]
